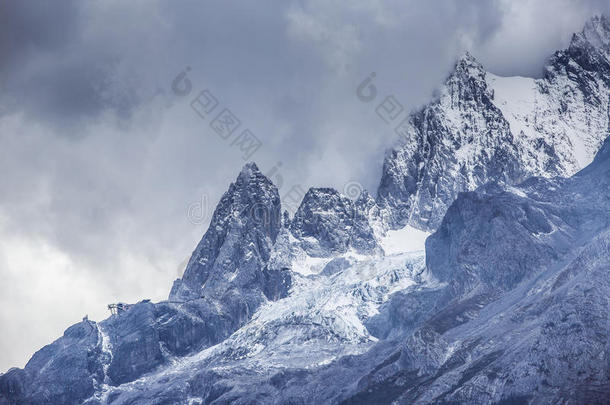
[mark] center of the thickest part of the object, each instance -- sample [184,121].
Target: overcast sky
[101,161]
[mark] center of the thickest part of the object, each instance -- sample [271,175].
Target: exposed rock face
[224,283]
[64,372]
[454,144]
[486,128]
[135,344]
[525,234]
[527,270]
[520,314]
[238,242]
[327,223]
[498,234]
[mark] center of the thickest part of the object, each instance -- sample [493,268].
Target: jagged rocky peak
[484,127]
[467,69]
[588,53]
[328,223]
[457,142]
[512,292]
[468,63]
[466,86]
[237,244]
[596,33]
[365,203]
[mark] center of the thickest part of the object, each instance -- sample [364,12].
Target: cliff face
[238,242]
[525,317]
[328,222]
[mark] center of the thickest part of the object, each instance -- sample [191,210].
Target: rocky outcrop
[456,143]
[64,372]
[328,223]
[500,235]
[237,245]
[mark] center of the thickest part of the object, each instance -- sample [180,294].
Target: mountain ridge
[484,127]
[508,303]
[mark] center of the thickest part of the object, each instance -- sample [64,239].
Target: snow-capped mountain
[485,127]
[501,298]
[527,284]
[234,250]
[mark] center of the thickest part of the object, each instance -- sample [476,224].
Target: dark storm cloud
[41,33]
[57,69]
[30,27]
